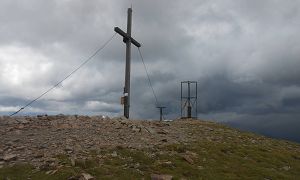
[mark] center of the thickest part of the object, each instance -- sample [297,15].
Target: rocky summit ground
[99,147]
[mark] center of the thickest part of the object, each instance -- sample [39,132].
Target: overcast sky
[245,56]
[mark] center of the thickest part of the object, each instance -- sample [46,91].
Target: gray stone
[114,154]
[86,176]
[9,157]
[200,167]
[16,140]
[136,129]
[22,119]
[43,146]
[11,121]
[20,148]
[74,177]
[68,148]
[73,161]
[122,118]
[51,172]
[39,155]
[161,177]
[167,163]
[286,168]
[188,159]
[150,130]
[9,143]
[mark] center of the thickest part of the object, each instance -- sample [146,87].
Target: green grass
[26,171]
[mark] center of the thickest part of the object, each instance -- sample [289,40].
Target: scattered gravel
[39,139]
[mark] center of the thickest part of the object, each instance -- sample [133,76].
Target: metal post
[189,108]
[196,101]
[181,98]
[127,68]
[161,112]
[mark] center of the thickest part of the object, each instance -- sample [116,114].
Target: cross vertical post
[128,66]
[128,40]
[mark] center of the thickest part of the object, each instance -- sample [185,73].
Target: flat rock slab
[161,177]
[9,157]
[86,176]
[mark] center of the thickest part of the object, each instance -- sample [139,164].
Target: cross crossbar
[127,37]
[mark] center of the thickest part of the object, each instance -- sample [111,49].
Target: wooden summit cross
[128,40]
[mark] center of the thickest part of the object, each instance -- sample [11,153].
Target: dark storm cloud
[283,125]
[243,54]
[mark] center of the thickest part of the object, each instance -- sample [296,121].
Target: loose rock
[188,159]
[286,168]
[161,177]
[9,157]
[86,176]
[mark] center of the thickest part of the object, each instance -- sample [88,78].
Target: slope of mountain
[97,147]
